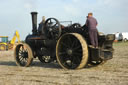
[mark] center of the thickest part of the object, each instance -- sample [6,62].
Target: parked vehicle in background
[118,36]
[125,36]
[121,36]
[5,44]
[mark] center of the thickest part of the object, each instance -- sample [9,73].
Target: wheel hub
[69,51]
[24,55]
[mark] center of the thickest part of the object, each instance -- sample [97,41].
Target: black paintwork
[42,45]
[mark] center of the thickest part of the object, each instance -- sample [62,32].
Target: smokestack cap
[34,12]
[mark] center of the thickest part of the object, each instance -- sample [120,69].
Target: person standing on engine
[91,23]
[41,25]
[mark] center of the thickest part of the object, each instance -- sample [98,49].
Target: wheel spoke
[52,34]
[69,41]
[22,48]
[75,43]
[19,54]
[76,48]
[78,54]
[21,59]
[72,44]
[73,65]
[54,25]
[20,51]
[62,53]
[78,59]
[64,44]
[50,21]
[25,60]
[72,60]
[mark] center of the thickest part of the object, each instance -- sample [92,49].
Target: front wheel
[23,55]
[125,40]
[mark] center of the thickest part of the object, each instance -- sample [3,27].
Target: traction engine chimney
[34,23]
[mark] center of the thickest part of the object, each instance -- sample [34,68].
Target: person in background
[41,24]
[91,23]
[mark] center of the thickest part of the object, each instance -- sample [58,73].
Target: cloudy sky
[112,15]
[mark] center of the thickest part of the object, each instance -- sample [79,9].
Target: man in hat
[91,23]
[41,25]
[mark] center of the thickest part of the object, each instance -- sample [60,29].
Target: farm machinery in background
[5,44]
[68,45]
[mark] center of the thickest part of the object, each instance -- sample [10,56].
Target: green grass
[120,43]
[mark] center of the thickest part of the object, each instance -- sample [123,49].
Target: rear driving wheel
[23,55]
[72,51]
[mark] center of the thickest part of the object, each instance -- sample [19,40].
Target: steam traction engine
[68,45]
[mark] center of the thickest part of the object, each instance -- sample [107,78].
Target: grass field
[120,44]
[113,72]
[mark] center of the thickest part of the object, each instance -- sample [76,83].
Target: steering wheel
[52,28]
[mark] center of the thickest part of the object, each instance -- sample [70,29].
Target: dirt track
[113,72]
